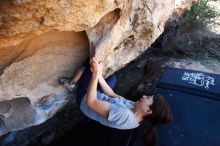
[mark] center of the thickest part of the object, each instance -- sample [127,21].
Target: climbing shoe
[66,83]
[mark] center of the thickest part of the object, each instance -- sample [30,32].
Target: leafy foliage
[199,15]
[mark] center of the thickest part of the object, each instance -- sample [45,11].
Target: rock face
[43,40]
[29,91]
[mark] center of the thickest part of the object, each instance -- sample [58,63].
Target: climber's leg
[83,81]
[79,72]
[111,81]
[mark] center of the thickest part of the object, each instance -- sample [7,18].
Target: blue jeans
[85,79]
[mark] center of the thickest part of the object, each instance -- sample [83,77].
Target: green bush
[199,15]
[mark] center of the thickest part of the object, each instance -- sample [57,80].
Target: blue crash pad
[191,81]
[194,98]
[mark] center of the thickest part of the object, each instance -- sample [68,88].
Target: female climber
[98,101]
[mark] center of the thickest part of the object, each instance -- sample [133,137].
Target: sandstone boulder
[43,40]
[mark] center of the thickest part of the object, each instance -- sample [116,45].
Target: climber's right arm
[99,106]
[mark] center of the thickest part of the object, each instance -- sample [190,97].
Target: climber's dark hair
[161,113]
